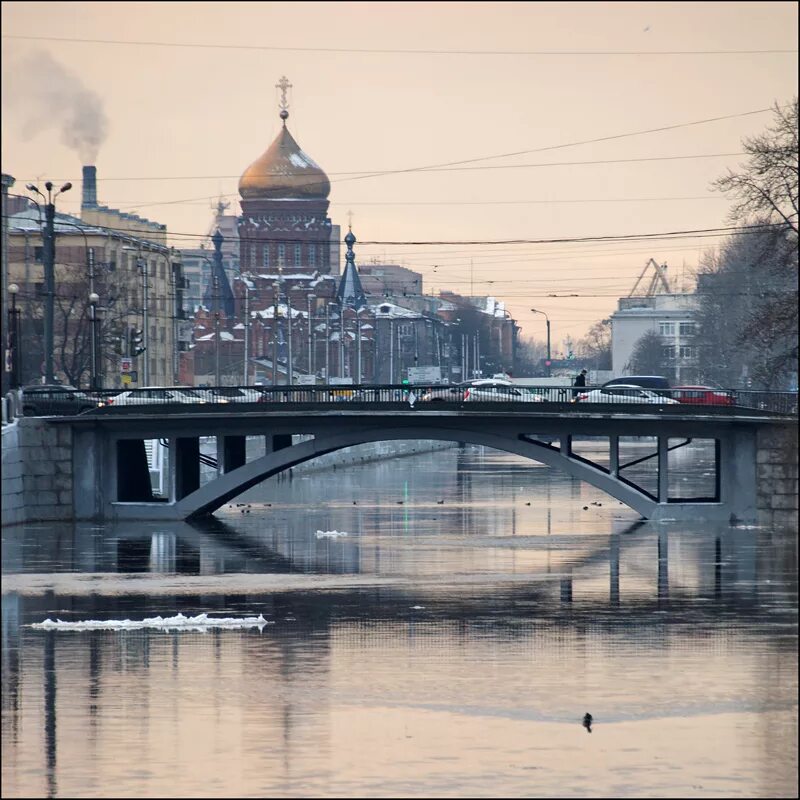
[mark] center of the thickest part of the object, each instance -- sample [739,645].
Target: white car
[622,393]
[233,394]
[155,395]
[498,391]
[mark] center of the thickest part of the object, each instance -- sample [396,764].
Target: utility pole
[547,320]
[246,334]
[290,361]
[217,376]
[275,335]
[310,360]
[341,342]
[145,321]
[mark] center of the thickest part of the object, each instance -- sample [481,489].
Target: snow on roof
[387,310]
[224,337]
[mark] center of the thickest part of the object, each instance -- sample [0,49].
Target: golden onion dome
[284,171]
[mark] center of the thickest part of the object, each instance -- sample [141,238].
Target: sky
[178,99]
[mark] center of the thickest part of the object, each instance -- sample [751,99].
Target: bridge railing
[55,401]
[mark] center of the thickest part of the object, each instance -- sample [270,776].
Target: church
[289,316]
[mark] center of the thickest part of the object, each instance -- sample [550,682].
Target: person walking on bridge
[580,381]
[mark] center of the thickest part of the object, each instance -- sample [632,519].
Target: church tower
[284,197]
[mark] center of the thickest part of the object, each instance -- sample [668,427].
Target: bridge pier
[277,441]
[231,453]
[184,458]
[133,474]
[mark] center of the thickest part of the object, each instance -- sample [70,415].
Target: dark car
[43,400]
[656,383]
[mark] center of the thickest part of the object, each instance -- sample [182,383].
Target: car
[498,391]
[157,395]
[703,395]
[622,393]
[52,400]
[443,394]
[233,394]
[656,383]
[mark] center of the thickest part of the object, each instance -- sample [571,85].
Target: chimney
[89,188]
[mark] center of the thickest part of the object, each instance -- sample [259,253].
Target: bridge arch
[216,493]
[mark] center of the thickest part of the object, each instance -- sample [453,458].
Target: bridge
[754,446]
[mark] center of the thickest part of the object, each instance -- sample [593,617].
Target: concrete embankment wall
[37,472]
[776,476]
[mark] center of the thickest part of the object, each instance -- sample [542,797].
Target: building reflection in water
[492,606]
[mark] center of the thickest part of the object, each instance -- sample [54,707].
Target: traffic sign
[126,379]
[125,364]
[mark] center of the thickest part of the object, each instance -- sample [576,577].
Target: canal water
[436,625]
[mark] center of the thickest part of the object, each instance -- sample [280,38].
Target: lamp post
[49,260]
[12,356]
[217,376]
[275,336]
[327,343]
[246,332]
[547,320]
[310,362]
[94,299]
[358,344]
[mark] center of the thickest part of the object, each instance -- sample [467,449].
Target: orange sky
[184,123]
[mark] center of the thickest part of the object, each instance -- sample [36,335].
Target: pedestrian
[580,380]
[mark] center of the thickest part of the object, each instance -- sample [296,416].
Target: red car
[703,395]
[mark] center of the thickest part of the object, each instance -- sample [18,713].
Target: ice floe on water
[330,534]
[201,622]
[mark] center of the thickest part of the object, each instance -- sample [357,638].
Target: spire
[350,292]
[219,297]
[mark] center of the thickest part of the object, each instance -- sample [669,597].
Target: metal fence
[53,401]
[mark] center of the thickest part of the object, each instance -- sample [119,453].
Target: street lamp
[12,356]
[49,260]
[547,320]
[94,299]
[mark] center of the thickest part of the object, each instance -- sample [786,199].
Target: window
[38,254]
[686,328]
[252,256]
[668,352]
[265,257]
[687,351]
[666,328]
[298,255]
[281,254]
[162,271]
[312,254]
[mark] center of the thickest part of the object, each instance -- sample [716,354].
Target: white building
[669,315]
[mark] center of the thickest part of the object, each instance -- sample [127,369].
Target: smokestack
[89,188]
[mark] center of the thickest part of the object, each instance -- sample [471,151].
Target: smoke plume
[45,94]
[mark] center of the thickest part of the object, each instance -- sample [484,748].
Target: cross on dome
[283,84]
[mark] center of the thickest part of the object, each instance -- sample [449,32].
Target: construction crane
[659,277]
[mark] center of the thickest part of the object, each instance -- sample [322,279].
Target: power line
[398,51]
[365,171]
[670,235]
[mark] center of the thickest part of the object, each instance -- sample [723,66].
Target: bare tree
[766,187]
[648,357]
[748,318]
[747,312]
[530,355]
[595,348]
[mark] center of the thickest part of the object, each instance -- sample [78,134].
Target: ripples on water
[449,645]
